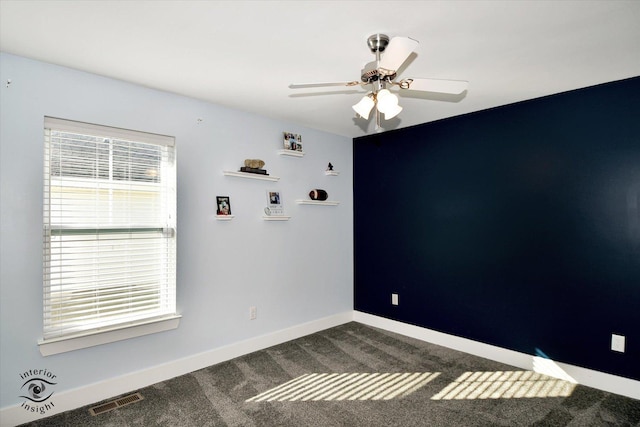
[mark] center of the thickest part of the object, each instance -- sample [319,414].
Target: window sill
[76,342]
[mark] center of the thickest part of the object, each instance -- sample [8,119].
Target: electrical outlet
[253,313]
[617,343]
[394,299]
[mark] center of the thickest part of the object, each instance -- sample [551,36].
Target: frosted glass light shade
[392,111]
[388,104]
[363,108]
[382,94]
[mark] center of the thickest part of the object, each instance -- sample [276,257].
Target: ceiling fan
[381,74]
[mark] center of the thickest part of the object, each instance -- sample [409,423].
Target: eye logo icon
[37,389]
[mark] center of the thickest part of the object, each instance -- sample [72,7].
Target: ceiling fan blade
[395,54]
[454,87]
[308,85]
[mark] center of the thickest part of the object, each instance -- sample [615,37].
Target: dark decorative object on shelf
[330,167]
[253,170]
[318,195]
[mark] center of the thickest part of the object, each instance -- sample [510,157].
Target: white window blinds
[109,228]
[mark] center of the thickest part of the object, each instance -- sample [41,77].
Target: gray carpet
[355,375]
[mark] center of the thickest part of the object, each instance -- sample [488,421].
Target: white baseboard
[602,381]
[92,393]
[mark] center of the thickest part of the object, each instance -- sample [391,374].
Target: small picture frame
[274,203]
[292,141]
[223,205]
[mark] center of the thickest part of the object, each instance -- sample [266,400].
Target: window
[109,229]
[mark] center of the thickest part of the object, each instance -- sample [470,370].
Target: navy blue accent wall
[517,226]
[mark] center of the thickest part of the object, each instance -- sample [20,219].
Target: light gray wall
[294,272]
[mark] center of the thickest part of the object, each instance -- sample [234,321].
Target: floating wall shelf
[332,173]
[292,153]
[276,218]
[251,175]
[317,202]
[225,217]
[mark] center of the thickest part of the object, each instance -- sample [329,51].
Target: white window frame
[62,336]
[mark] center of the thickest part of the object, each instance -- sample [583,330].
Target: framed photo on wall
[292,141]
[223,205]
[274,203]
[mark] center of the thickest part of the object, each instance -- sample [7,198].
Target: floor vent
[113,404]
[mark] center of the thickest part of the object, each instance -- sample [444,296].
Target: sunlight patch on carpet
[347,386]
[504,385]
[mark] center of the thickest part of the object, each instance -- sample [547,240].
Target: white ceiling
[244,54]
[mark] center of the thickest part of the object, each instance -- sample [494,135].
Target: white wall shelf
[291,153]
[317,202]
[331,173]
[225,217]
[276,218]
[251,175]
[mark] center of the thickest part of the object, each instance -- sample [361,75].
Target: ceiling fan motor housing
[378,42]
[370,73]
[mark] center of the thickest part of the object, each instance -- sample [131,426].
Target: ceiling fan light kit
[388,104]
[381,73]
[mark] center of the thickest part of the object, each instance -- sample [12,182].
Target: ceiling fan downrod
[370,75]
[377,43]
